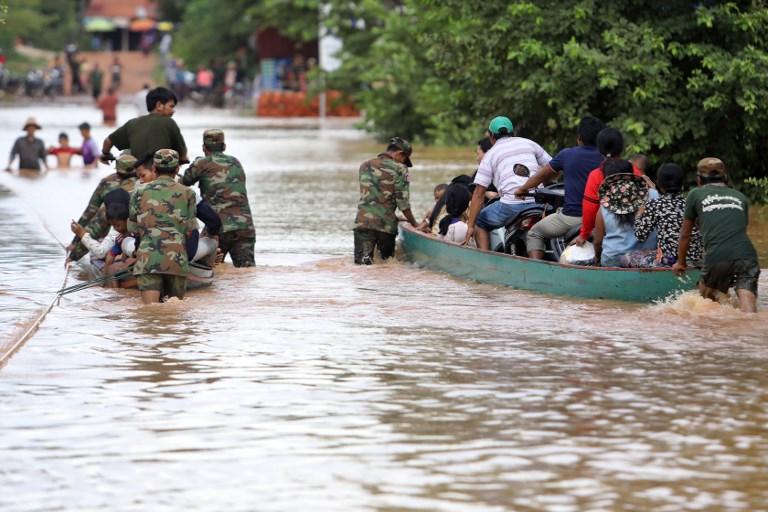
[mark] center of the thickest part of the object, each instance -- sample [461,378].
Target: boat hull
[634,285]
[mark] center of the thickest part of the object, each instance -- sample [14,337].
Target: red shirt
[108,106]
[60,150]
[591,202]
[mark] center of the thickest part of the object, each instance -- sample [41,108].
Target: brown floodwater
[307,383]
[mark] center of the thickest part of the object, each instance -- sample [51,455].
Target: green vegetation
[41,23]
[756,189]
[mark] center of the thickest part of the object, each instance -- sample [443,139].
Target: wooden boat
[635,285]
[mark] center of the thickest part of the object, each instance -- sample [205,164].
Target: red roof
[121,8]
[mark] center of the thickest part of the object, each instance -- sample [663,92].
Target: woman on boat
[453,226]
[665,217]
[622,194]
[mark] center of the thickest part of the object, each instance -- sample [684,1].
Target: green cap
[404,146]
[125,164]
[166,159]
[501,125]
[213,137]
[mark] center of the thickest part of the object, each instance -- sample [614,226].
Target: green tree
[44,24]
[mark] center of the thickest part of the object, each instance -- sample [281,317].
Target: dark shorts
[240,246]
[167,285]
[366,242]
[739,274]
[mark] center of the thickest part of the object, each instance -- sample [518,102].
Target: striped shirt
[498,165]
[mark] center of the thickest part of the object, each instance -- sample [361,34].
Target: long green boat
[635,285]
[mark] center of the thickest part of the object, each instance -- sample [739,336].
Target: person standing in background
[89,149]
[108,105]
[96,78]
[29,149]
[117,74]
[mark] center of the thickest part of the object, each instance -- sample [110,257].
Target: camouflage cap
[125,164]
[166,159]
[404,146]
[213,137]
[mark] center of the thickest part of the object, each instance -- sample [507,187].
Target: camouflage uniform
[384,187]
[222,185]
[94,218]
[164,212]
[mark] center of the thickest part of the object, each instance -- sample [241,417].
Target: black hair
[669,178]
[589,128]
[616,166]
[217,147]
[161,94]
[117,196]
[165,170]
[485,144]
[117,211]
[457,199]
[502,133]
[713,177]
[610,142]
[63,135]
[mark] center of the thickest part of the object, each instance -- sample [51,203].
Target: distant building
[119,24]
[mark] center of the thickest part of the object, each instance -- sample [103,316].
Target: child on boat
[621,195]
[730,259]
[665,217]
[64,152]
[117,215]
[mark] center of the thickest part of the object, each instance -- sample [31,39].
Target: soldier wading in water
[164,213]
[222,185]
[384,188]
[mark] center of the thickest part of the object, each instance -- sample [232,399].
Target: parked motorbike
[511,239]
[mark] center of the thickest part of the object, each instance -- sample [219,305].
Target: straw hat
[32,122]
[623,193]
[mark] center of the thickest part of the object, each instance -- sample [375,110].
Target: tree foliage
[43,24]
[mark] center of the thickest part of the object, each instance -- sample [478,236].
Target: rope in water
[7,351]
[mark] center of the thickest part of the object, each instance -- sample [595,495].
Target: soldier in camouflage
[222,185]
[164,213]
[94,218]
[384,188]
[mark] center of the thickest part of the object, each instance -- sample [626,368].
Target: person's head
[63,139]
[617,166]
[439,191]
[457,199]
[161,100]
[145,169]
[125,165]
[610,142]
[117,216]
[639,160]
[710,170]
[31,127]
[110,91]
[670,178]
[145,87]
[589,128]
[213,141]
[85,130]
[500,127]
[400,150]
[166,162]
[483,145]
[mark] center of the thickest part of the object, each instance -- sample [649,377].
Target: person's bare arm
[474,210]
[597,237]
[682,247]
[409,216]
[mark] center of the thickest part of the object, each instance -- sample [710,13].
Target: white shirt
[457,233]
[498,164]
[140,101]
[100,249]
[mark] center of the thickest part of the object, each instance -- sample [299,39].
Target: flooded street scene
[309,382]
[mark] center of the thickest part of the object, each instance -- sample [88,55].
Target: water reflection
[310,383]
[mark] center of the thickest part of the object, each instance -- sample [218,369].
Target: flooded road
[307,383]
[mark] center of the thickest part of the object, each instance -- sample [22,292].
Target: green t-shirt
[723,215]
[146,134]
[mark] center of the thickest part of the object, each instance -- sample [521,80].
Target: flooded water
[307,383]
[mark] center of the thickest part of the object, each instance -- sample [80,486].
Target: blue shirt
[575,163]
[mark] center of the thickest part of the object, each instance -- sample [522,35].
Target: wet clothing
[665,216]
[30,152]
[384,188]
[222,184]
[164,213]
[739,274]
[146,134]
[98,249]
[575,163]
[499,166]
[212,222]
[368,240]
[723,215]
[108,106]
[167,285]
